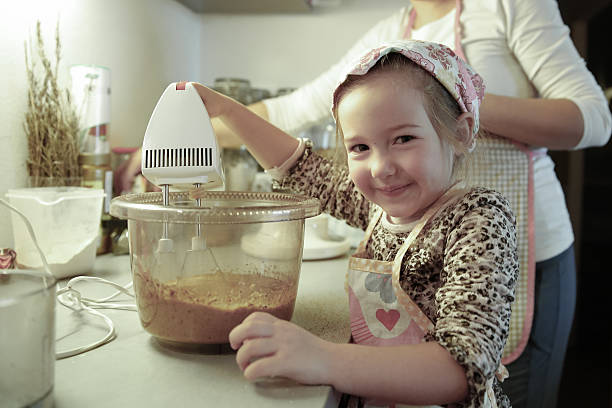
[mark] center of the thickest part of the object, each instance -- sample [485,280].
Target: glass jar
[239,168]
[96,172]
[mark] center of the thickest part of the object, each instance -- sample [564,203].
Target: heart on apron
[388,318]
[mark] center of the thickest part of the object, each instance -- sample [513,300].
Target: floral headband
[459,79]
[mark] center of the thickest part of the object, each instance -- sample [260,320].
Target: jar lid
[94,159]
[217,207]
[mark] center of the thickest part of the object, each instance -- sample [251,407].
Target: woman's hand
[123,178]
[271,347]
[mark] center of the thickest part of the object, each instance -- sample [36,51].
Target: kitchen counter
[134,371]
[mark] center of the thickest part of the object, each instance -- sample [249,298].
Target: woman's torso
[485,43]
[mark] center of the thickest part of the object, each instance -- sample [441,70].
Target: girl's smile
[393,190]
[395,156]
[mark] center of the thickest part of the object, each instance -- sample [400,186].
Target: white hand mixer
[180,149]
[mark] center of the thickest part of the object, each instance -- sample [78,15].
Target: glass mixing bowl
[198,271]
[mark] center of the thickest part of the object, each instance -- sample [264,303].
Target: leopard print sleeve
[318,177]
[479,274]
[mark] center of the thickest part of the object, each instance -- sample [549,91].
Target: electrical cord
[98,303]
[31,232]
[71,298]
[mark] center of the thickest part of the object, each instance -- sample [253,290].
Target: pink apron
[506,167]
[382,313]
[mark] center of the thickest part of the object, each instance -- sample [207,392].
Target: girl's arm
[473,306]
[421,374]
[269,145]
[225,137]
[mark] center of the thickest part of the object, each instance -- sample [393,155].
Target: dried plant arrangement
[51,122]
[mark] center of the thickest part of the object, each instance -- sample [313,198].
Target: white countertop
[134,371]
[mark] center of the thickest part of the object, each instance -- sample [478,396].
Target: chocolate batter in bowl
[199,303]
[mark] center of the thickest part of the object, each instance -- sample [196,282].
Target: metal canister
[259,94]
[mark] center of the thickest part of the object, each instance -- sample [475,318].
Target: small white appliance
[179,147]
[180,150]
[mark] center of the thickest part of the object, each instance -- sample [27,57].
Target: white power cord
[72,298]
[31,232]
[64,295]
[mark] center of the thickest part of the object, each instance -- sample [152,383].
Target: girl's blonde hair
[441,107]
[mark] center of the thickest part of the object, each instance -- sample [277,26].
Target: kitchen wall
[145,43]
[150,43]
[285,50]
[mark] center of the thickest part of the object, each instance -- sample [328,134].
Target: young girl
[433,281]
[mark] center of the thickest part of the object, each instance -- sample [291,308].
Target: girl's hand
[271,347]
[216,103]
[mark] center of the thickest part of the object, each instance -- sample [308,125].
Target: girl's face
[396,158]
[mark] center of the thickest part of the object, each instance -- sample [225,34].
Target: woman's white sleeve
[541,43]
[311,102]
